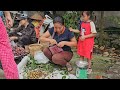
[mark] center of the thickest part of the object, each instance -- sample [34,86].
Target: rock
[110,75]
[96,46]
[117,51]
[119,55]
[113,54]
[102,48]
[106,54]
[113,49]
[115,76]
[117,63]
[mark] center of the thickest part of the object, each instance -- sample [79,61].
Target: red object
[85,47]
[6,55]
[55,49]
[98,77]
[37,30]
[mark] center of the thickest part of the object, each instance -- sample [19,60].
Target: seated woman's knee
[58,59]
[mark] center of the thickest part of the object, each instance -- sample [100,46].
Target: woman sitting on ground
[25,34]
[62,38]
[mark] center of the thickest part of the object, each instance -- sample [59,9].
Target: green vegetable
[63,77]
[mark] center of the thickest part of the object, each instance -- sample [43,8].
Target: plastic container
[81,73]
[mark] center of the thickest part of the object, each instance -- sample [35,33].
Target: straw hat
[36,16]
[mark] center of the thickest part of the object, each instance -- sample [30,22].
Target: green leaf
[63,77]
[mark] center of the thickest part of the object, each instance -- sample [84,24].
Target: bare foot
[69,67]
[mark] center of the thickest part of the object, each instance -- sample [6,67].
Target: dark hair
[58,19]
[88,13]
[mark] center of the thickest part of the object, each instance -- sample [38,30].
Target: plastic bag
[40,57]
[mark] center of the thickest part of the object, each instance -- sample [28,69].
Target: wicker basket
[45,45]
[34,48]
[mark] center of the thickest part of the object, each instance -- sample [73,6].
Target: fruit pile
[18,51]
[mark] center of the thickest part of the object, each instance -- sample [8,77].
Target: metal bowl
[81,64]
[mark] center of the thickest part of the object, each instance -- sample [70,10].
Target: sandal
[69,67]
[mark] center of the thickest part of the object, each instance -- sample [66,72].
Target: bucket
[81,73]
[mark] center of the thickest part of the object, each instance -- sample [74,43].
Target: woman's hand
[53,41]
[13,38]
[82,38]
[61,44]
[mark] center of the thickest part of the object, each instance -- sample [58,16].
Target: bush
[71,19]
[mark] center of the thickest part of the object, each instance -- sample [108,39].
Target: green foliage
[71,19]
[115,19]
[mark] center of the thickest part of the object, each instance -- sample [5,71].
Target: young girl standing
[86,40]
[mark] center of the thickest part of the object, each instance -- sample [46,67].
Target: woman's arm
[71,43]
[45,38]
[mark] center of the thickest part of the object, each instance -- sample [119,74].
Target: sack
[40,57]
[55,49]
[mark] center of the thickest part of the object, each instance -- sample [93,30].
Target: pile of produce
[35,70]
[18,51]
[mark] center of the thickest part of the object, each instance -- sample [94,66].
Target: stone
[102,48]
[96,46]
[117,63]
[113,49]
[106,54]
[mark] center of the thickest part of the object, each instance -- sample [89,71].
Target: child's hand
[71,29]
[82,38]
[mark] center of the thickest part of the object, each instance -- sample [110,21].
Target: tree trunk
[101,23]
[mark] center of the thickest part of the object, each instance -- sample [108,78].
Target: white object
[81,64]
[40,57]
[21,65]
[56,75]
[19,33]
[83,31]
[13,43]
[48,20]
[71,76]
[77,72]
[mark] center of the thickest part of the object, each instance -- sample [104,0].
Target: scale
[81,71]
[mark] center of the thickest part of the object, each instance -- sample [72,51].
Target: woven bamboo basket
[45,45]
[34,48]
